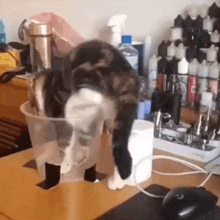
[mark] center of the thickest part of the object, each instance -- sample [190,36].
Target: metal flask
[40,46]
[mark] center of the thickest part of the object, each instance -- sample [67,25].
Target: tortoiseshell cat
[98,69]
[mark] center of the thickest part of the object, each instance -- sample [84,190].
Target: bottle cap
[162,49]
[215,37]
[213,11]
[180,51]
[211,53]
[204,39]
[193,67]
[172,66]
[176,33]
[201,56]
[198,24]
[191,53]
[179,22]
[183,66]
[203,70]
[214,70]
[162,65]
[188,22]
[171,50]
[126,39]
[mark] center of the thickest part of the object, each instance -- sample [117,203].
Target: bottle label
[203,85]
[152,80]
[133,60]
[160,81]
[164,82]
[213,87]
[182,82]
[192,87]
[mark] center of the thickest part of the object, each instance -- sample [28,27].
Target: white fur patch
[115,181]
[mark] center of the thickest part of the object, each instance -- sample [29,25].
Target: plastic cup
[72,143]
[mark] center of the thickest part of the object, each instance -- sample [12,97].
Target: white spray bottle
[116,22]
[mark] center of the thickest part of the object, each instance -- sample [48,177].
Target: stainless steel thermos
[40,46]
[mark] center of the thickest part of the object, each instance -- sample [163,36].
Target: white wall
[145,17]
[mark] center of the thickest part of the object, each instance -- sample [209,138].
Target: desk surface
[20,199]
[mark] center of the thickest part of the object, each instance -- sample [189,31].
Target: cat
[93,70]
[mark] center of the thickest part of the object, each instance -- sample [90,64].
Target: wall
[145,17]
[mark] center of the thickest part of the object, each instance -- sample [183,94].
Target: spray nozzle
[116,22]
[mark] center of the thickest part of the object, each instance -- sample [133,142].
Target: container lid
[201,56]
[198,22]
[214,70]
[162,49]
[172,66]
[203,70]
[193,67]
[171,50]
[180,51]
[188,21]
[179,21]
[183,66]
[205,39]
[126,39]
[40,29]
[214,11]
[215,37]
[191,53]
[162,65]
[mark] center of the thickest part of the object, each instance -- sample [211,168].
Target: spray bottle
[116,22]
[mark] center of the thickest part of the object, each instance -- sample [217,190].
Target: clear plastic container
[72,143]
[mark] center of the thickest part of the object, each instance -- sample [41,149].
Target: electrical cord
[188,164]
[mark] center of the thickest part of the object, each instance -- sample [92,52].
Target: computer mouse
[187,203]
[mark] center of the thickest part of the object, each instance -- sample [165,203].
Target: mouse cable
[188,164]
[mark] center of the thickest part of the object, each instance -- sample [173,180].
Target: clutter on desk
[188,76]
[51,38]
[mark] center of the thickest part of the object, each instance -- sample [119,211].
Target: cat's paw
[115,182]
[124,162]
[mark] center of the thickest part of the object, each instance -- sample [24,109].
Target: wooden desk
[20,199]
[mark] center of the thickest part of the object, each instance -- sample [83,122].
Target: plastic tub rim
[23,111]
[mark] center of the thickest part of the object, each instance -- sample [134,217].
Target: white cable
[138,186]
[206,180]
[191,165]
[177,174]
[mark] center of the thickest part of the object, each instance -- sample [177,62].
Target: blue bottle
[130,53]
[2,32]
